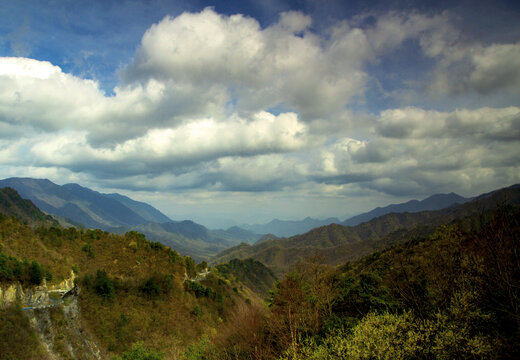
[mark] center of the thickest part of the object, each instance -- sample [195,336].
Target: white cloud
[316,76]
[217,103]
[414,150]
[161,150]
[480,68]
[487,123]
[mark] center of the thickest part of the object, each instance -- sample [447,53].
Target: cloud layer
[217,103]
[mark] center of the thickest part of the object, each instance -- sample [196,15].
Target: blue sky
[250,110]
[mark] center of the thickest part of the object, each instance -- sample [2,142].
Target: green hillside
[129,290]
[12,204]
[453,294]
[253,274]
[338,244]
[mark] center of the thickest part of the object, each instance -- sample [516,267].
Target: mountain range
[13,205]
[287,228]
[339,243]
[120,214]
[117,213]
[434,202]
[84,206]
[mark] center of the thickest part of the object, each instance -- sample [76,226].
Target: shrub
[151,288]
[138,352]
[35,273]
[104,285]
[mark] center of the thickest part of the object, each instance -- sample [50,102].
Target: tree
[104,285]
[35,273]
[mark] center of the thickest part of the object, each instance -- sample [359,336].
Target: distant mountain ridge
[82,205]
[288,228]
[188,237]
[285,228]
[12,204]
[118,213]
[339,243]
[434,202]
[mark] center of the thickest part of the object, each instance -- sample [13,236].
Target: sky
[231,112]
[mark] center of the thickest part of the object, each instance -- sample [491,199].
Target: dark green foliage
[252,273]
[87,247]
[103,285]
[138,352]
[151,288]
[8,266]
[202,291]
[12,269]
[360,295]
[156,245]
[190,266]
[197,312]
[157,285]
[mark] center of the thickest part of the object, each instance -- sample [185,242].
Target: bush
[138,352]
[151,288]
[35,273]
[104,285]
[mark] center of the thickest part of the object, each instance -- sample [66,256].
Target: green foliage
[452,295]
[189,264]
[156,246]
[202,291]
[103,285]
[363,294]
[156,285]
[87,247]
[12,269]
[198,350]
[201,266]
[197,312]
[138,352]
[18,340]
[255,275]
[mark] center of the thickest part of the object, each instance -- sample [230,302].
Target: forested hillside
[450,289]
[454,294]
[129,291]
[338,244]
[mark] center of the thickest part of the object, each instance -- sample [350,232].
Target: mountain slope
[144,210]
[126,290]
[285,228]
[434,202]
[12,204]
[338,243]
[84,206]
[190,238]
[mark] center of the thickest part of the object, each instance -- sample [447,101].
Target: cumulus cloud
[217,102]
[484,123]
[285,63]
[172,150]
[414,150]
[480,68]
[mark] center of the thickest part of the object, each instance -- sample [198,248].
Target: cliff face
[34,296]
[63,334]
[29,297]
[57,322]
